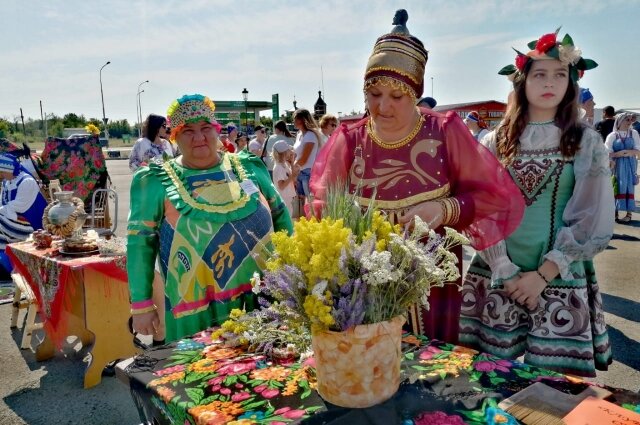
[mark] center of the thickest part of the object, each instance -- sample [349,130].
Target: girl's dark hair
[151,126]
[516,119]
[282,126]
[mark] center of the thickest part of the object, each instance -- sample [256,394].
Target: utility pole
[104,117]
[22,118]
[41,117]
[139,107]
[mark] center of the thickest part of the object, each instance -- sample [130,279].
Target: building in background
[243,115]
[320,107]
[491,111]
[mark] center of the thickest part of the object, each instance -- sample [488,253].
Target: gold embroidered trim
[407,202]
[396,70]
[390,82]
[220,209]
[398,143]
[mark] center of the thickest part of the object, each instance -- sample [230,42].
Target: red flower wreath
[546,42]
[521,61]
[548,47]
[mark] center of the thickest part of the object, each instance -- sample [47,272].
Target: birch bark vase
[360,367]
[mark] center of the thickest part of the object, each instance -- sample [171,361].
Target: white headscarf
[620,118]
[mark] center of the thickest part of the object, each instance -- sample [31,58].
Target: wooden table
[83,296]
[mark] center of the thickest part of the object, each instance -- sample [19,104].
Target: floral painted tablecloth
[198,381]
[48,274]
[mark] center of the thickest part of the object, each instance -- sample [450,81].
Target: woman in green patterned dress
[205,213]
[536,293]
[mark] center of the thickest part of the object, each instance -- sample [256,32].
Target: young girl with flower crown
[535,293]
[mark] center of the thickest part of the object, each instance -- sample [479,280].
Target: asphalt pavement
[51,392]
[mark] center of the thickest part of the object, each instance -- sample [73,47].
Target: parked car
[104,142]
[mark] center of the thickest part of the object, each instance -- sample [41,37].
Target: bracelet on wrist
[547,281]
[143,310]
[450,210]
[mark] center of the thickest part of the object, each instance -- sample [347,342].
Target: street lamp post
[139,108]
[104,116]
[139,113]
[245,96]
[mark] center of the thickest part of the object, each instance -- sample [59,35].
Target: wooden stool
[22,288]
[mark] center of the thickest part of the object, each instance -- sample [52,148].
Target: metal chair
[54,186]
[100,218]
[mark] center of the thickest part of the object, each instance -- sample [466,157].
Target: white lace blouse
[588,216]
[144,151]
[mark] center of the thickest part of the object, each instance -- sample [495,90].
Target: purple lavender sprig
[285,285]
[349,311]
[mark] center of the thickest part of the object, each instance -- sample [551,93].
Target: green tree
[56,129]
[5,128]
[72,120]
[266,121]
[118,128]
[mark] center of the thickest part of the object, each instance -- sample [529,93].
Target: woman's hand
[295,170]
[526,289]
[146,323]
[621,154]
[430,212]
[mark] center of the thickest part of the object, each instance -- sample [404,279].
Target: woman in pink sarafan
[536,293]
[418,162]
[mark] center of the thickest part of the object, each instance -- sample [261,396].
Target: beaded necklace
[398,143]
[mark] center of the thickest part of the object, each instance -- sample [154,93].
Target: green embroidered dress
[568,220]
[205,225]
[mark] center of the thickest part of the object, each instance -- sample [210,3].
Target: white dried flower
[319,288]
[379,268]
[569,55]
[255,283]
[420,227]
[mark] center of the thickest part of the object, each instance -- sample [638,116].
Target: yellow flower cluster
[232,326]
[92,129]
[236,313]
[319,313]
[314,248]
[382,229]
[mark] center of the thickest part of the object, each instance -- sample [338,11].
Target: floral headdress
[191,108]
[548,47]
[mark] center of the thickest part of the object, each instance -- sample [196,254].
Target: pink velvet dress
[443,160]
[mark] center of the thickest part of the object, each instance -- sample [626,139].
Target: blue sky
[52,51]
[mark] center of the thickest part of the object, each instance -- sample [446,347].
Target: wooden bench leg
[16,306]
[29,326]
